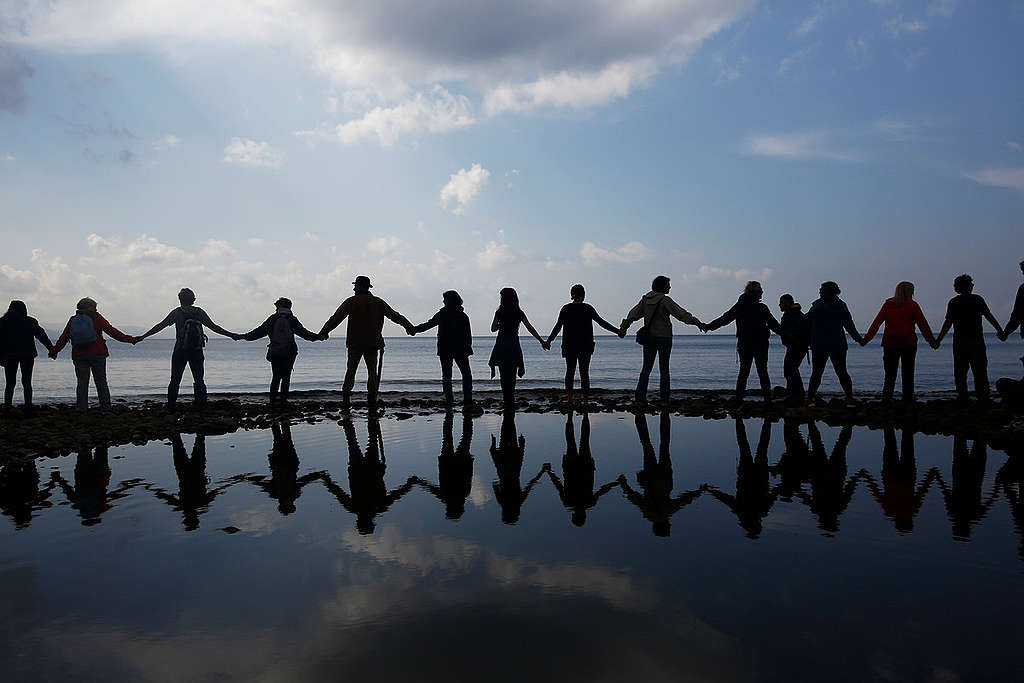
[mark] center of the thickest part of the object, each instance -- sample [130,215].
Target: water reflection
[964,498]
[831,492]
[20,494]
[899,495]
[508,454]
[754,495]
[576,487]
[284,485]
[89,495]
[454,468]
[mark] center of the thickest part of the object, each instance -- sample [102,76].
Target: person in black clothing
[189,340]
[964,504]
[754,496]
[578,467]
[899,496]
[454,345]
[508,455]
[964,313]
[831,492]
[1017,315]
[795,466]
[284,485]
[1011,390]
[656,501]
[18,332]
[20,493]
[282,350]
[797,340]
[89,494]
[829,320]
[454,468]
[507,354]
[576,321]
[754,324]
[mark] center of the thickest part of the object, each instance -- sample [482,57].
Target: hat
[362,281]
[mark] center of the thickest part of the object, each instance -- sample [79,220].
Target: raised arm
[604,323]
[922,324]
[396,317]
[433,322]
[340,314]
[300,330]
[166,322]
[262,331]
[849,326]
[635,313]
[113,331]
[876,323]
[723,320]
[680,313]
[204,318]
[40,334]
[991,318]
[533,331]
[558,325]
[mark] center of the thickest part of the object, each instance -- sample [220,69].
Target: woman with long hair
[454,345]
[829,320]
[754,325]
[507,354]
[18,334]
[901,315]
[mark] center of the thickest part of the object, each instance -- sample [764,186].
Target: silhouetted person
[829,321]
[576,322]
[194,495]
[454,346]
[964,503]
[20,494]
[363,338]
[830,491]
[754,497]
[281,328]
[1011,391]
[454,468]
[795,465]
[89,350]
[369,495]
[964,313]
[899,496]
[1017,314]
[507,354]
[189,340]
[508,455]
[655,499]
[578,467]
[901,315]
[654,308]
[796,336]
[18,335]
[754,325]
[1010,479]
[284,484]
[92,477]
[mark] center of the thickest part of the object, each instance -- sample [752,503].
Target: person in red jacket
[901,315]
[89,351]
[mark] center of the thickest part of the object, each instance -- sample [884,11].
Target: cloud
[463,187]
[310,236]
[246,152]
[495,255]
[795,146]
[809,24]
[14,70]
[384,245]
[1012,145]
[256,242]
[896,130]
[727,72]
[706,272]
[788,61]
[11,157]
[942,8]
[438,111]
[166,142]
[631,252]
[898,26]
[1010,178]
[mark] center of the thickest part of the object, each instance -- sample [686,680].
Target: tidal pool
[608,548]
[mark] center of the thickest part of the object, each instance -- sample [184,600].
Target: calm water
[698,362]
[730,551]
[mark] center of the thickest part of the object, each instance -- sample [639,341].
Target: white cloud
[795,146]
[558,264]
[166,142]
[217,249]
[310,236]
[1010,178]
[1012,145]
[463,187]
[11,157]
[809,24]
[248,152]
[631,252]
[495,255]
[942,8]
[706,272]
[789,60]
[898,26]
[896,129]
[438,111]
[256,242]
[728,71]
[384,245]
[143,250]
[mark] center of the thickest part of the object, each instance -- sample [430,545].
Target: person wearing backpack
[18,334]
[89,350]
[281,328]
[189,340]
[655,336]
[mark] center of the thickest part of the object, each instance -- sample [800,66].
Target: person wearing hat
[363,339]
[89,350]
[189,340]
[281,328]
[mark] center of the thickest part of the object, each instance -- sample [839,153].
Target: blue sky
[280,147]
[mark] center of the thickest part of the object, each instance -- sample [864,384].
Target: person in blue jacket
[829,320]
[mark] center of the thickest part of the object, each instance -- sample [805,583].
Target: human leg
[11,375]
[179,361]
[508,385]
[26,379]
[82,375]
[196,362]
[286,376]
[908,357]
[979,368]
[275,377]
[746,358]
[791,369]
[584,362]
[961,363]
[650,352]
[890,365]
[664,374]
[98,364]
[446,380]
[351,365]
[570,371]
[467,379]
[839,365]
[761,363]
[818,361]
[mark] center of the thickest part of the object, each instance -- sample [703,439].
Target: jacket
[754,322]
[829,320]
[658,325]
[899,325]
[18,335]
[267,328]
[795,333]
[365,313]
[454,337]
[98,347]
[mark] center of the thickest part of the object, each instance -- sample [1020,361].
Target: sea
[410,364]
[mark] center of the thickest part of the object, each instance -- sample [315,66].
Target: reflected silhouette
[368,496]
[963,499]
[577,489]
[655,479]
[795,465]
[899,496]
[1010,480]
[89,494]
[20,494]
[830,491]
[284,484]
[754,496]
[194,495]
[508,454]
[454,468]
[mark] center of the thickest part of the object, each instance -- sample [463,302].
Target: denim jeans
[194,360]
[96,365]
[662,348]
[446,378]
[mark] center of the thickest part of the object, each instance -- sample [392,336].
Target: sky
[251,149]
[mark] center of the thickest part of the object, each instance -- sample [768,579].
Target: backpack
[193,339]
[282,339]
[82,331]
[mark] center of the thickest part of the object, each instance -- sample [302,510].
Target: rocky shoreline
[58,429]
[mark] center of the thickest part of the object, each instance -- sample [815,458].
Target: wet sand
[57,429]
